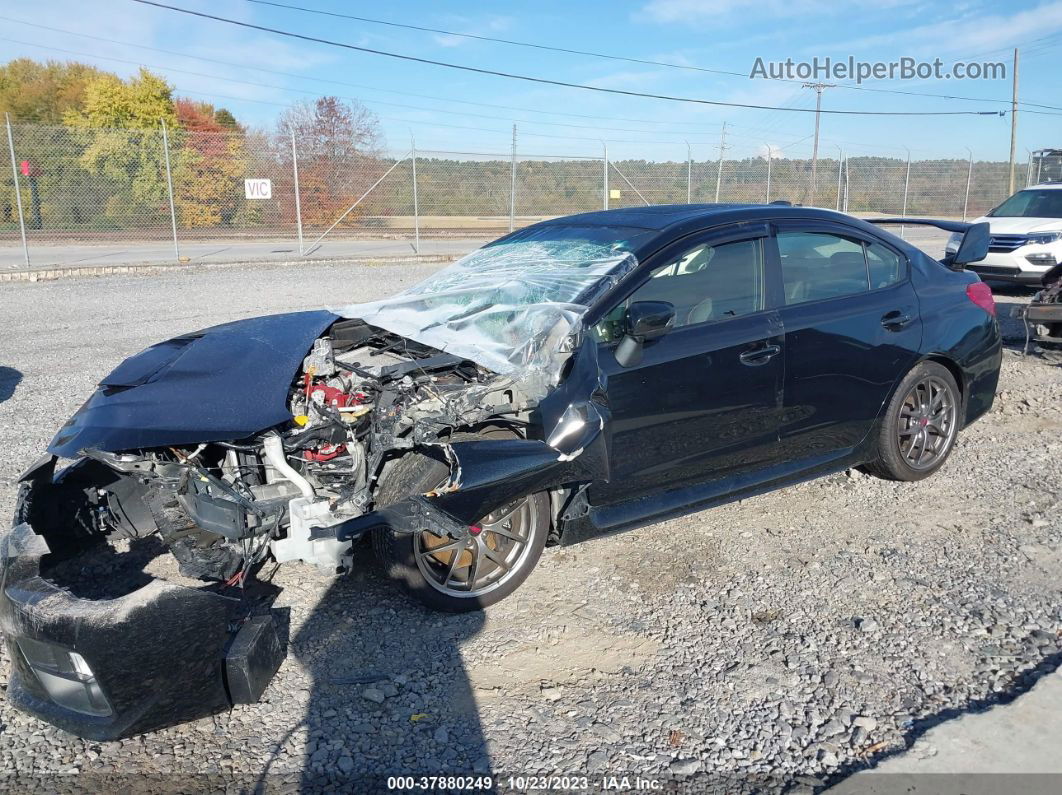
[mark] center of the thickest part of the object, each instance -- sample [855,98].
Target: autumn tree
[338,145]
[210,164]
[42,93]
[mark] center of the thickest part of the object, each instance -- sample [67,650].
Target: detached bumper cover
[158,654]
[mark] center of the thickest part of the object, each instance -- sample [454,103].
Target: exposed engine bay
[362,397]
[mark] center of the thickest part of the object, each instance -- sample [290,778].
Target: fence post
[770,157]
[169,186]
[512,185]
[840,161]
[416,205]
[846,172]
[18,191]
[906,184]
[969,177]
[604,177]
[298,199]
[719,166]
[689,172]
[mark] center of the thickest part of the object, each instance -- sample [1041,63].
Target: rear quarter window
[884,265]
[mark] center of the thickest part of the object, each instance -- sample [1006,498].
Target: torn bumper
[107,669]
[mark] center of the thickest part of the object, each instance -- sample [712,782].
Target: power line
[309,78]
[387,118]
[543,80]
[315,93]
[592,54]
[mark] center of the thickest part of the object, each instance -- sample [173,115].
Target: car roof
[657,216]
[660,217]
[1044,186]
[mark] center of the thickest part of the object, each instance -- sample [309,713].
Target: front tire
[920,425]
[460,576]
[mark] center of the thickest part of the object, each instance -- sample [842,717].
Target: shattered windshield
[510,304]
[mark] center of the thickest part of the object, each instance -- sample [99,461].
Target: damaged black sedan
[585,374]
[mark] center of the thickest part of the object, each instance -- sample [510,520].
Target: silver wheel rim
[491,555]
[927,423]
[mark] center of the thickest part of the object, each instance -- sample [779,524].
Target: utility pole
[1013,121]
[819,88]
[719,166]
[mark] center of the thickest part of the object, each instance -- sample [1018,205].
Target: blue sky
[439,105]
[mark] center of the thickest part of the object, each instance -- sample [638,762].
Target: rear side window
[819,265]
[884,265]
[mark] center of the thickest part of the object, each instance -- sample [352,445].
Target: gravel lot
[794,637]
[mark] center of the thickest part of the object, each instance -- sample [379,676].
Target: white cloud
[970,36]
[699,12]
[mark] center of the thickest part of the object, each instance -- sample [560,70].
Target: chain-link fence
[84,186]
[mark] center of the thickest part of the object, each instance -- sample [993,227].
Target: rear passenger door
[852,330]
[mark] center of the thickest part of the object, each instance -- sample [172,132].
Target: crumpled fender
[486,475]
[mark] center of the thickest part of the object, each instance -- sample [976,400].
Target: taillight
[981,294]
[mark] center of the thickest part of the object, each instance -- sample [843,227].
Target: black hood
[225,382]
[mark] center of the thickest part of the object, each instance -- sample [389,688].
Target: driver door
[705,400]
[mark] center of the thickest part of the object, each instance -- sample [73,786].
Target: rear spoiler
[947,226]
[972,247]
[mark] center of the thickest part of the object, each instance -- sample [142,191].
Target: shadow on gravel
[1021,685]
[389,694]
[9,380]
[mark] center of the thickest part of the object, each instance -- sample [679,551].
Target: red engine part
[326,452]
[336,398]
[330,396]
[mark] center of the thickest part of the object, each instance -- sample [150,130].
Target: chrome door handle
[895,320]
[758,356]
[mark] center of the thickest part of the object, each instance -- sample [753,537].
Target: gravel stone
[374,695]
[723,631]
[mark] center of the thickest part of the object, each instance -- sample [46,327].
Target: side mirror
[974,245]
[646,320]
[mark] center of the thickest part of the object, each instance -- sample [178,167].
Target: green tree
[119,125]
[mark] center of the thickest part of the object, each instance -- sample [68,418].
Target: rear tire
[921,422]
[435,569]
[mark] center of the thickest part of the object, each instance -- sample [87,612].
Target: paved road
[161,251]
[1009,748]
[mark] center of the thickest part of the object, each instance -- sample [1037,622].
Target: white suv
[1026,236]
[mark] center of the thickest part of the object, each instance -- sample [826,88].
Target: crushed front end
[100,646]
[129,592]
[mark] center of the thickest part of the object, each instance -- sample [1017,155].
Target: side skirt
[674,503]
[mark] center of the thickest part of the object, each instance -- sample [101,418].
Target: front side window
[819,265]
[704,283]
